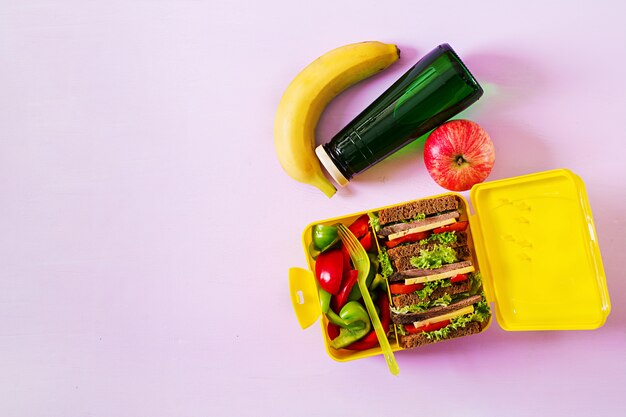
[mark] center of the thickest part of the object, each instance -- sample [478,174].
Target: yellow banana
[309,93]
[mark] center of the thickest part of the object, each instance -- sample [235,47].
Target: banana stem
[324,185]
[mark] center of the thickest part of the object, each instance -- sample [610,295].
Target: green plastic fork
[362,264]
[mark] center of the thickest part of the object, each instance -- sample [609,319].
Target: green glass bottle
[435,89]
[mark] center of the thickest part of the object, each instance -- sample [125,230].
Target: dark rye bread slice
[404,300]
[409,318]
[416,272]
[412,249]
[411,210]
[404,263]
[401,227]
[419,339]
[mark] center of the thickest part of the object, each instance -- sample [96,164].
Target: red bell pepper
[329,270]
[454,227]
[349,280]
[360,226]
[370,340]
[428,327]
[347,262]
[366,242]
[333,331]
[413,237]
[367,342]
[405,289]
[458,278]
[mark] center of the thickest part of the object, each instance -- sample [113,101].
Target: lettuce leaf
[424,305]
[477,283]
[444,238]
[435,258]
[419,216]
[431,286]
[386,270]
[401,331]
[482,311]
[442,301]
[374,221]
[455,323]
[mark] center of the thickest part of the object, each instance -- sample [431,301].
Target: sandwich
[426,255]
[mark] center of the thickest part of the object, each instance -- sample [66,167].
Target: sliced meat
[413,209]
[400,227]
[403,300]
[416,272]
[434,312]
[404,263]
[412,249]
[414,340]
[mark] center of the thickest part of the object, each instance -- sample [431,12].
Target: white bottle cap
[330,166]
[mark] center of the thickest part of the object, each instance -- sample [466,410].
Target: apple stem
[460,160]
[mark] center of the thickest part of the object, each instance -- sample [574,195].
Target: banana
[309,93]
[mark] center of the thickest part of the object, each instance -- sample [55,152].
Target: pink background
[146,227]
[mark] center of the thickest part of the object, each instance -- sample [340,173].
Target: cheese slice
[422,228]
[444,317]
[435,277]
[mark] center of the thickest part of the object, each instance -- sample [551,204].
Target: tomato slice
[454,227]
[428,327]
[413,237]
[458,278]
[404,289]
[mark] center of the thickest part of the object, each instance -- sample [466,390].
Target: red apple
[459,154]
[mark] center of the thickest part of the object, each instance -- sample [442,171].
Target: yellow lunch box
[536,247]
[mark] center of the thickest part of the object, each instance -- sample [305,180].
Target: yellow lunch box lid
[538,252]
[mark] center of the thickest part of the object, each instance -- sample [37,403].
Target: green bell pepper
[325,297]
[378,281]
[332,317]
[324,236]
[355,294]
[313,251]
[354,322]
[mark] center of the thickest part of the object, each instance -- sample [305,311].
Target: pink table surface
[146,227]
